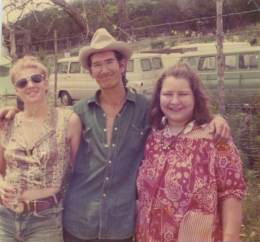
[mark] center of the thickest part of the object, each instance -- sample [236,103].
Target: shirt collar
[190,126]
[130,96]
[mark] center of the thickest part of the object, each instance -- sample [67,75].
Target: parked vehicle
[142,72]
[73,82]
[170,56]
[241,75]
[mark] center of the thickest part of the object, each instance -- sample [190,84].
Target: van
[241,74]
[142,72]
[170,56]
[74,82]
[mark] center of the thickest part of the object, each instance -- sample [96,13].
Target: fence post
[55,67]
[220,57]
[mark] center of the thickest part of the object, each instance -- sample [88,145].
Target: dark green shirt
[101,199]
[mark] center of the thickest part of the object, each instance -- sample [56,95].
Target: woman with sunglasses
[37,149]
[189,187]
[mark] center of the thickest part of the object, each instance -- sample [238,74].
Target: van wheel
[65,98]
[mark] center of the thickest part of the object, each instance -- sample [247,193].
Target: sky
[13,15]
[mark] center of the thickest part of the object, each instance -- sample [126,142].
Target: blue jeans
[45,226]
[70,238]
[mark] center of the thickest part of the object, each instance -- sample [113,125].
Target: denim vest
[100,202]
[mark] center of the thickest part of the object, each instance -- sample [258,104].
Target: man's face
[106,69]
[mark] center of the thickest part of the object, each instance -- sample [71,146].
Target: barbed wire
[84,36]
[201,19]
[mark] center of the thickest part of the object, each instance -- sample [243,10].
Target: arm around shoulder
[219,128]
[74,135]
[8,113]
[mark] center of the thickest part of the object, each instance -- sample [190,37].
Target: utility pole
[220,57]
[55,66]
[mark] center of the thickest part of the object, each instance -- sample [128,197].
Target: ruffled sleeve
[229,174]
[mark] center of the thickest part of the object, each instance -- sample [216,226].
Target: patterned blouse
[45,163]
[181,184]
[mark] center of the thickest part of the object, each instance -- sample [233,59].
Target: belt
[37,205]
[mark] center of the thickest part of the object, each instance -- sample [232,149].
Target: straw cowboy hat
[103,41]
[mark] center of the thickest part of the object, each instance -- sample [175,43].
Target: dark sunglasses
[22,83]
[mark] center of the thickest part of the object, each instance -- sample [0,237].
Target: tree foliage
[125,17]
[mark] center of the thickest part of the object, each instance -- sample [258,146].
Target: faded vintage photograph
[130,121]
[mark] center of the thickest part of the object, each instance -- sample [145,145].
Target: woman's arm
[74,134]
[7,192]
[231,219]
[2,161]
[231,189]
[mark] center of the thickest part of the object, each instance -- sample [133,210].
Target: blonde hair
[27,62]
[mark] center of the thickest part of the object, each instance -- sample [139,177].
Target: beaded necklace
[167,133]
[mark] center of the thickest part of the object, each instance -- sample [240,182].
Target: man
[100,202]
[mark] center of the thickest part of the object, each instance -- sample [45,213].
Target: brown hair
[201,113]
[27,62]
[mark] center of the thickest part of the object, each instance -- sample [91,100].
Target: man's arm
[74,135]
[219,128]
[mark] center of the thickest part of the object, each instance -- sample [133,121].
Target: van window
[191,61]
[130,66]
[62,67]
[248,61]
[74,67]
[157,63]
[146,64]
[207,63]
[230,62]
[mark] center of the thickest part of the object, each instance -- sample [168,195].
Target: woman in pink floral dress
[189,187]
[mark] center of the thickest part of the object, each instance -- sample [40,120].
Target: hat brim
[119,46]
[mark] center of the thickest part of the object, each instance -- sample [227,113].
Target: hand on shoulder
[220,129]
[8,113]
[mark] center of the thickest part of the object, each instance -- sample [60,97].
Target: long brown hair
[201,113]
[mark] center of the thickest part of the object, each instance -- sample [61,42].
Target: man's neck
[113,97]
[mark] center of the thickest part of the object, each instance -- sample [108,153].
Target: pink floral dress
[181,184]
